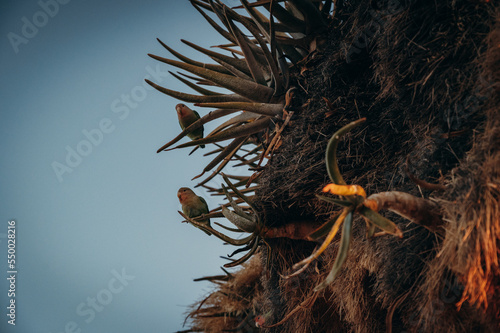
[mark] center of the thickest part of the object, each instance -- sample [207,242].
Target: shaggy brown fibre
[426,75]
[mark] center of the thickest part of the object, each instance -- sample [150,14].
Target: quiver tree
[372,133]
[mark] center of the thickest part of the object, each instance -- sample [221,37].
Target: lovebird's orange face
[184,193]
[181,110]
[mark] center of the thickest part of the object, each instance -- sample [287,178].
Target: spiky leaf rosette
[256,82]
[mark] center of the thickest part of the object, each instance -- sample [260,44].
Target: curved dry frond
[197,124]
[197,98]
[245,88]
[238,64]
[195,87]
[331,152]
[231,133]
[187,60]
[266,109]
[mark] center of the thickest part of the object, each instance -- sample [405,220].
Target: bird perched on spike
[193,205]
[186,118]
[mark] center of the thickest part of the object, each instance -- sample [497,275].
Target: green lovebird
[187,117]
[193,205]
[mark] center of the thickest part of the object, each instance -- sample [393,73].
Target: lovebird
[187,117]
[193,205]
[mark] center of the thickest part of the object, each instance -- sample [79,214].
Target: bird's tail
[202,146]
[208,233]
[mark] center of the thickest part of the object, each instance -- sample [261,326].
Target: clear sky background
[115,213]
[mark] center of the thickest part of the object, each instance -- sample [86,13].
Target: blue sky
[103,227]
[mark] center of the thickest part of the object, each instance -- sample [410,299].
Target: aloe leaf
[245,88]
[197,98]
[312,16]
[187,60]
[231,133]
[380,221]
[237,209]
[195,87]
[250,57]
[324,229]
[241,222]
[239,64]
[267,109]
[229,150]
[224,162]
[243,117]
[199,80]
[329,238]
[197,124]
[234,70]
[237,192]
[217,27]
[342,203]
[217,234]
[345,242]
[269,55]
[255,245]
[286,18]
[331,152]
[228,228]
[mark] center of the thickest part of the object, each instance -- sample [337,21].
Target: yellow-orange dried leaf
[345,190]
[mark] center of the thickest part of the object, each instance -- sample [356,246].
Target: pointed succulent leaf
[331,152]
[241,249]
[199,80]
[243,197]
[237,209]
[230,149]
[228,228]
[244,117]
[197,124]
[187,60]
[250,57]
[259,108]
[285,17]
[197,98]
[217,234]
[329,238]
[313,18]
[234,70]
[224,162]
[230,50]
[201,3]
[345,242]
[195,87]
[343,203]
[255,245]
[269,55]
[324,229]
[291,53]
[239,64]
[239,221]
[245,88]
[217,27]
[259,19]
[257,28]
[238,193]
[231,133]
[380,221]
